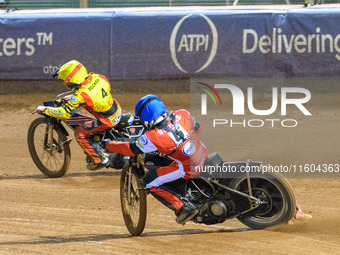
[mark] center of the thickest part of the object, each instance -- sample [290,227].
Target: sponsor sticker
[115,118]
[73,99]
[189,148]
[142,141]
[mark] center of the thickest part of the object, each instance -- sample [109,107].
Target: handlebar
[70,92]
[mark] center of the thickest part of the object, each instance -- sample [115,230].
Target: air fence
[173,43]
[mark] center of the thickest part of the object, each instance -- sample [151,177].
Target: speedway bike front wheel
[48,147]
[133,200]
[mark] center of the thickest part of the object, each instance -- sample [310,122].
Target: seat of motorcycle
[213,160]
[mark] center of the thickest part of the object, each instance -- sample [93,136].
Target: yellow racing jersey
[95,96]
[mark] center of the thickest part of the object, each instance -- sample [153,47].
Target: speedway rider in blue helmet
[173,134]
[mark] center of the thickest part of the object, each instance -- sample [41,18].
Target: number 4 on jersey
[104,93]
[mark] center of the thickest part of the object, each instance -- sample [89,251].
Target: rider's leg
[183,209]
[167,197]
[84,135]
[155,179]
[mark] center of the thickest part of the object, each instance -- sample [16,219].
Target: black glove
[59,102]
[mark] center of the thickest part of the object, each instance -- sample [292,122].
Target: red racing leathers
[187,153]
[95,96]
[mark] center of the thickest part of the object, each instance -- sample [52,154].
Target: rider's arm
[124,148]
[66,110]
[142,145]
[193,123]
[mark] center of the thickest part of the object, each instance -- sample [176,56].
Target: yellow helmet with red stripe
[73,72]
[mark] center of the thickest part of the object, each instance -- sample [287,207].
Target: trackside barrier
[155,43]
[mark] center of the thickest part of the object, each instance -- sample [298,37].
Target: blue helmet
[149,107]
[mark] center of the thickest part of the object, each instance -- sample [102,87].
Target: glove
[40,109]
[62,101]
[59,102]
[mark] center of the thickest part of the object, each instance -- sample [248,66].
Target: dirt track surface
[80,212]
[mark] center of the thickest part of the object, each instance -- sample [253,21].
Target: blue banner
[34,46]
[171,43]
[222,43]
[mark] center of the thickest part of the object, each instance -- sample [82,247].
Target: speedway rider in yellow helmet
[93,92]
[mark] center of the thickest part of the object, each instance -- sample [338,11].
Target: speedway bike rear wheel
[49,148]
[133,200]
[279,201]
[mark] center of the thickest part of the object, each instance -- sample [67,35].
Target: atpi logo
[193,43]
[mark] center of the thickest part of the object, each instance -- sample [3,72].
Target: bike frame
[75,120]
[213,182]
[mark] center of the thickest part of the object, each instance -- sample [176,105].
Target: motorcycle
[258,200]
[49,142]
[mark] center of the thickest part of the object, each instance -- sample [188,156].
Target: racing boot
[186,213]
[300,215]
[117,160]
[104,160]
[94,166]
